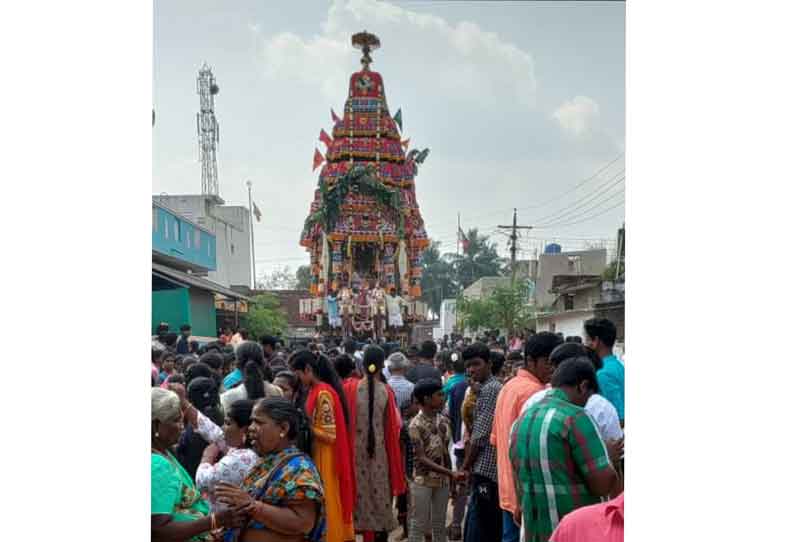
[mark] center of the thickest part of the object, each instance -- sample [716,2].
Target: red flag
[406,143]
[325,138]
[334,117]
[318,159]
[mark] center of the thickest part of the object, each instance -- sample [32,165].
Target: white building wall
[236,222]
[568,323]
[448,317]
[231,226]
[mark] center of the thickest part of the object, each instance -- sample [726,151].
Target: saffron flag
[257,213]
[318,159]
[334,117]
[325,138]
[406,143]
[398,118]
[463,240]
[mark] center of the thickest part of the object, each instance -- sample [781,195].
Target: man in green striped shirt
[559,460]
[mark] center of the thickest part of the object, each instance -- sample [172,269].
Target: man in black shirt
[424,366]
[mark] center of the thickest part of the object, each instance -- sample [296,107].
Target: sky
[522,105]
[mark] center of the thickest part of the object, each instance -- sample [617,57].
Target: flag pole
[457,236]
[251,220]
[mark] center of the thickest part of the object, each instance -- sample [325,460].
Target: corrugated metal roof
[198,282]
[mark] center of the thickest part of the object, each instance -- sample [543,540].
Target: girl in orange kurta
[330,447]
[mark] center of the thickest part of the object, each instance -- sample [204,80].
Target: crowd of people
[518,439]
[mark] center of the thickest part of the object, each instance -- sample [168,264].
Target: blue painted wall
[176,237]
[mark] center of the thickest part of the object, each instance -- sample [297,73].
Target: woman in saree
[178,511]
[379,471]
[283,493]
[331,445]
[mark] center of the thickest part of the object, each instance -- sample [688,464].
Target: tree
[279,279]
[507,308]
[510,307]
[611,269]
[265,316]
[475,313]
[480,259]
[304,277]
[437,277]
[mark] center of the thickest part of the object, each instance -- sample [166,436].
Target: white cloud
[579,117]
[462,60]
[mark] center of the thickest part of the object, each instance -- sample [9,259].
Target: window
[568,302]
[197,238]
[154,219]
[165,226]
[209,249]
[187,237]
[176,231]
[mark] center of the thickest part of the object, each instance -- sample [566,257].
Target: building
[526,269]
[582,262]
[297,327]
[448,320]
[483,287]
[231,226]
[580,298]
[183,256]
[575,297]
[612,307]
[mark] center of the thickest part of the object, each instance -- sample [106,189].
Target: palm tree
[437,277]
[480,259]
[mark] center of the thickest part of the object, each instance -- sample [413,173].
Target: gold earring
[157,435]
[281,435]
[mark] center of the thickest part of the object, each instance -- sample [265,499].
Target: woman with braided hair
[375,434]
[331,451]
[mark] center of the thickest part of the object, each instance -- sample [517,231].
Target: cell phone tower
[208,130]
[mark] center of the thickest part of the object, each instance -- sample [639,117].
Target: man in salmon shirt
[531,378]
[595,523]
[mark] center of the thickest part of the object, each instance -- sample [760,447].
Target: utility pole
[513,238]
[251,226]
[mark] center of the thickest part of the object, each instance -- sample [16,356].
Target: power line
[600,189]
[584,212]
[550,200]
[621,202]
[579,185]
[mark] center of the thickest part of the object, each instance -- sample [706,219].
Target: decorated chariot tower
[364,230]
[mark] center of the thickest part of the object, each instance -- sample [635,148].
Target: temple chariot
[364,233]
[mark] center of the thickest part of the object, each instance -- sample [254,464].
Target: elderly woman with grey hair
[178,512]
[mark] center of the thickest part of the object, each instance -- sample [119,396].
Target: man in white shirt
[603,413]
